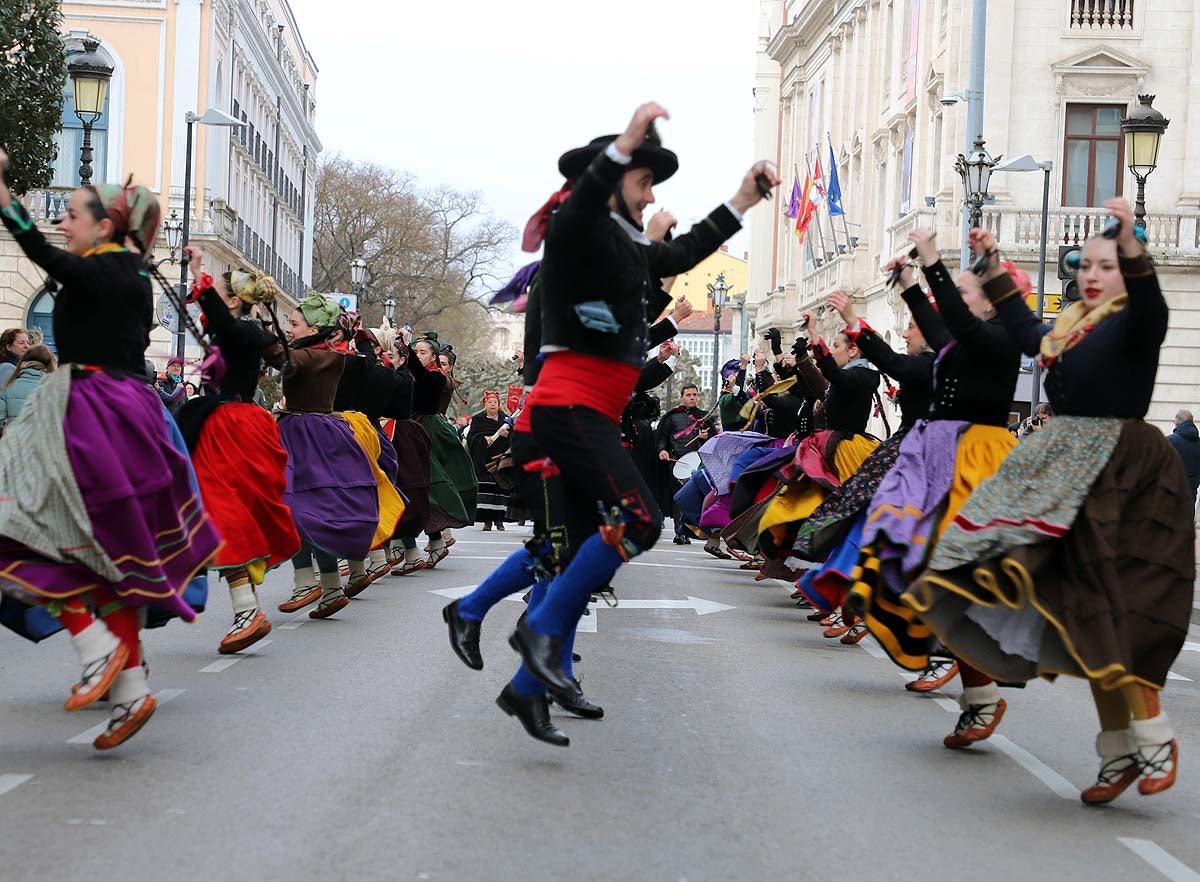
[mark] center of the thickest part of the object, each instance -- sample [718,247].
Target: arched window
[41,316]
[69,138]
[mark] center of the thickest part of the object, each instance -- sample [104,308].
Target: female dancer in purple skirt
[331,487]
[98,510]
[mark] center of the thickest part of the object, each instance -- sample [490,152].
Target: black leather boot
[464,637]
[534,714]
[581,707]
[543,656]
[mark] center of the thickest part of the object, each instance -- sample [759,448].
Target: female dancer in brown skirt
[1077,556]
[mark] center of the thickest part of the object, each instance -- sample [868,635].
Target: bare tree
[435,251]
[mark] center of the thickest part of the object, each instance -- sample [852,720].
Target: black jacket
[103,311]
[975,379]
[851,392]
[1111,372]
[679,430]
[660,332]
[592,265]
[914,373]
[1186,440]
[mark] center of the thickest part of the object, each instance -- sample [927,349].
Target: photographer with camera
[1040,418]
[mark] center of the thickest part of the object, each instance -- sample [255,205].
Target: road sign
[348,302]
[1052,304]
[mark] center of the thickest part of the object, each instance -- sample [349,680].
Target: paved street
[738,745]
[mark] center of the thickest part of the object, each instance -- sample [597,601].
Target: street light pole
[1026,163]
[974,107]
[719,292]
[210,117]
[1143,130]
[89,76]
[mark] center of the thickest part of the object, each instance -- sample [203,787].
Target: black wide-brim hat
[652,155]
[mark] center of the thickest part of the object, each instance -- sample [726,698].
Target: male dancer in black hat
[597,277]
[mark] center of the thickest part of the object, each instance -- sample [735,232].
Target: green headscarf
[319,311]
[132,209]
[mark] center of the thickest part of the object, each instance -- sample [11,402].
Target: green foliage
[31,89]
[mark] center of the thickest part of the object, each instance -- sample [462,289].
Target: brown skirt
[1110,601]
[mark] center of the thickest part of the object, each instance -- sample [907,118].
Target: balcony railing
[897,233]
[1022,229]
[822,282]
[47,204]
[1106,15]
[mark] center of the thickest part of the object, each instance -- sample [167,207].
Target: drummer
[681,431]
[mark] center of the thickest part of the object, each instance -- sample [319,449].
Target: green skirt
[452,488]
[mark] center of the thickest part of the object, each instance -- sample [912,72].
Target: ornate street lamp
[389,308]
[89,76]
[358,272]
[173,230]
[1143,129]
[976,173]
[719,292]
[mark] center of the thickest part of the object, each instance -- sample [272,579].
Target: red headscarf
[535,229]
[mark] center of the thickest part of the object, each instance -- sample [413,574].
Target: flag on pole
[808,208]
[834,195]
[793,209]
[818,181]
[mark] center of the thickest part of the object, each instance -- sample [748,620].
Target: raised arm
[962,324]
[1146,325]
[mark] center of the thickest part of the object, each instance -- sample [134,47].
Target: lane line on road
[162,696]
[12,782]
[1160,859]
[1052,779]
[1035,767]
[229,661]
[292,626]
[1171,675]
[639,563]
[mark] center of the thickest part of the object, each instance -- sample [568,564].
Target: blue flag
[834,194]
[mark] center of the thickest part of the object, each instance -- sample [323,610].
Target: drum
[685,465]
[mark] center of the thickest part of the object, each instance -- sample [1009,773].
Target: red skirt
[240,465]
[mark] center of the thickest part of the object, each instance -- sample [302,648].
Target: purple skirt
[331,488]
[146,516]
[908,505]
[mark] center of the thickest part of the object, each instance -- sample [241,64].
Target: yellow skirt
[889,617]
[391,505]
[799,498]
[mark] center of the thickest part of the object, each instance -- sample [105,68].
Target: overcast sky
[486,95]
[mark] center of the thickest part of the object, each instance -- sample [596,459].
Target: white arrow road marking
[1161,860]
[162,696]
[12,782]
[1171,675]
[699,604]
[588,624]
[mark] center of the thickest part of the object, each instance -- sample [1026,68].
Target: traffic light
[1070,292]
[1068,268]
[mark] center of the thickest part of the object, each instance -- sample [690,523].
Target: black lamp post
[389,308]
[173,230]
[358,272]
[719,292]
[89,76]
[976,173]
[210,117]
[1143,130]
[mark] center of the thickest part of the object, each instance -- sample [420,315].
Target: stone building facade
[876,81]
